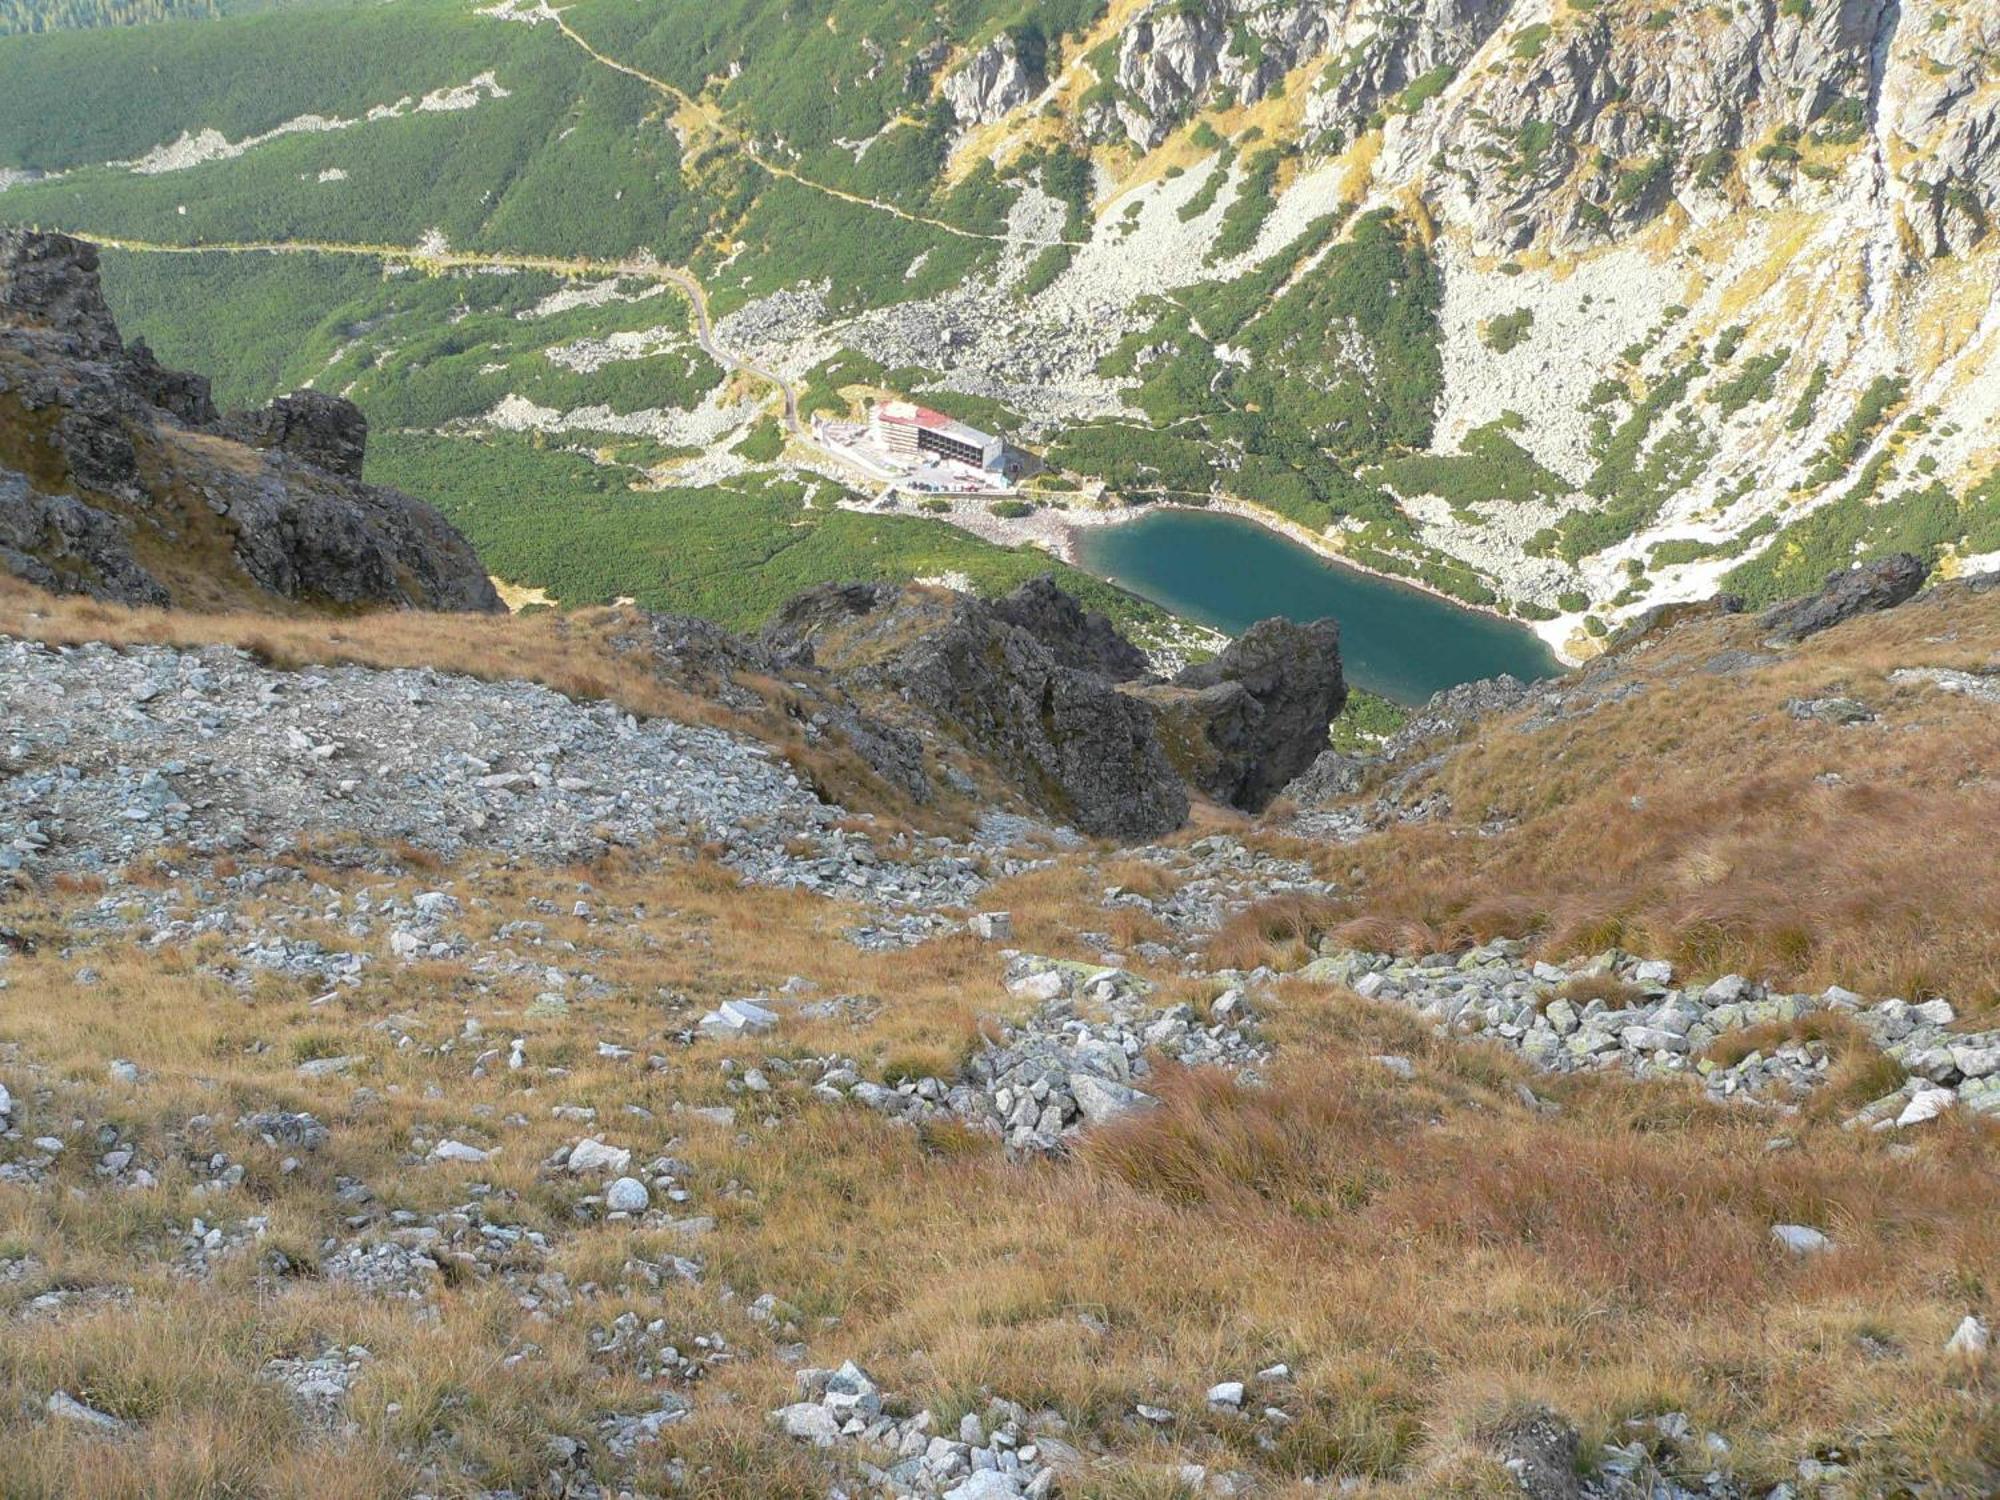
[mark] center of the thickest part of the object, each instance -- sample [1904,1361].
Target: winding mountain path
[576,267]
[687,102]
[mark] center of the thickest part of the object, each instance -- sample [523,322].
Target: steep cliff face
[1715,283]
[994,80]
[117,479]
[1538,123]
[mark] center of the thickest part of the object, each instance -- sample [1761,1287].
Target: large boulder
[118,481]
[1881,584]
[327,432]
[51,281]
[1244,725]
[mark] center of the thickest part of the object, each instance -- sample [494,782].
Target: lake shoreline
[1228,570]
[1056,531]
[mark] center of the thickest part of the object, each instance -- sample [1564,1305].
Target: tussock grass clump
[1281,932]
[1581,989]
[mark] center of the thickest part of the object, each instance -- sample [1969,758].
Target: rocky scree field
[1595,1097]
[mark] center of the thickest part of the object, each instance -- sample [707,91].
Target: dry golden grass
[1698,821]
[1422,1253]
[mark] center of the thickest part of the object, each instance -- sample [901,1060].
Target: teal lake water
[1229,573]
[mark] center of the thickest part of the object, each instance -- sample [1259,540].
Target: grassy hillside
[732,552]
[1433,1247]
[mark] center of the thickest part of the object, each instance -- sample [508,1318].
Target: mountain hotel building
[912,433]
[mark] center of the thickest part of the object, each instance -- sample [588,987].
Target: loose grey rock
[1971,1337]
[593,1155]
[628,1195]
[1800,1239]
[66,1408]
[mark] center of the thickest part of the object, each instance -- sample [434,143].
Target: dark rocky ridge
[118,479]
[1051,697]
[1259,712]
[1068,739]
[1881,584]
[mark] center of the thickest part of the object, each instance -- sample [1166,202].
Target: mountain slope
[423,1080]
[1561,309]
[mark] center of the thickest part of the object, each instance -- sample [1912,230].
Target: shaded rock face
[1083,640]
[1069,739]
[1243,726]
[325,431]
[52,280]
[1055,700]
[1882,584]
[1094,751]
[117,480]
[58,543]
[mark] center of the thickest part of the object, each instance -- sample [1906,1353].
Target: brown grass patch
[1282,932]
[1724,834]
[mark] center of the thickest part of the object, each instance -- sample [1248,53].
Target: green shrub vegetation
[1366,721]
[1808,402]
[1489,466]
[1753,383]
[762,443]
[1425,88]
[1871,413]
[1506,332]
[1255,198]
[1529,41]
[1857,526]
[1203,198]
[1634,480]
[731,553]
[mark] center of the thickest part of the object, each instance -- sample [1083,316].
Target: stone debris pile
[1002,1454]
[1213,878]
[645,1349]
[1080,1059]
[1615,1011]
[109,753]
[319,1385]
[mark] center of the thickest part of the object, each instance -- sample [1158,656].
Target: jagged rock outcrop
[1882,584]
[58,543]
[325,431]
[1394,47]
[1579,132]
[1244,725]
[995,80]
[1083,640]
[1068,739]
[118,481]
[1581,126]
